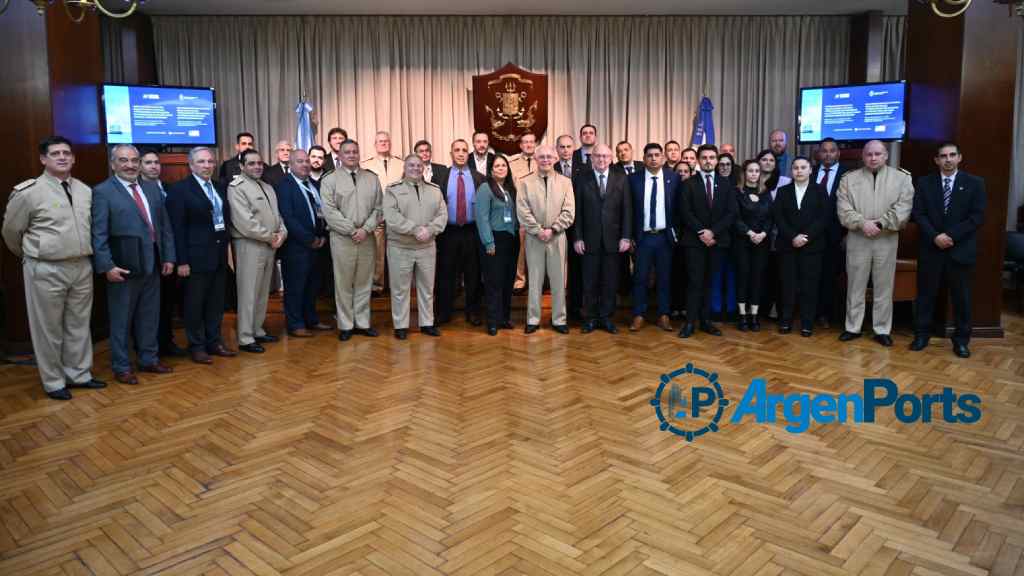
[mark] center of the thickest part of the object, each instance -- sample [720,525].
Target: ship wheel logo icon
[689,402]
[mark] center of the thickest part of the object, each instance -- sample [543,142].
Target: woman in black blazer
[750,248]
[800,214]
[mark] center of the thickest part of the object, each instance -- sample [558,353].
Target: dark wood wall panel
[24,120]
[961,74]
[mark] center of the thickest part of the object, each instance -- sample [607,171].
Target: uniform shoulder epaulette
[393,184]
[429,183]
[238,179]
[24,184]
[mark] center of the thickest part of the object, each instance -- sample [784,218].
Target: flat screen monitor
[160,115]
[853,113]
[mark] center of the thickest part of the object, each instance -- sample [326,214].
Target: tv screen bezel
[800,102]
[103,111]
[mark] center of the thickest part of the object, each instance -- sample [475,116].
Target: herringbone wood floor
[510,455]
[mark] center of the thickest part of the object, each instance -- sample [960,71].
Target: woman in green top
[498,227]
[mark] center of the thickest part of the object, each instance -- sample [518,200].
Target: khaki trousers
[353,280]
[58,296]
[403,264]
[873,258]
[520,282]
[546,258]
[254,268]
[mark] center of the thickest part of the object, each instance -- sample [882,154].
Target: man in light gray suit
[132,246]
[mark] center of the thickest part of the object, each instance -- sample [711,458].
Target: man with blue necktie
[298,199]
[949,208]
[200,217]
[655,193]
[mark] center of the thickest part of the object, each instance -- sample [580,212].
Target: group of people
[565,216]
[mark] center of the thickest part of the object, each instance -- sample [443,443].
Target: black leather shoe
[587,327]
[785,328]
[492,330]
[266,339]
[755,323]
[506,325]
[741,323]
[531,328]
[806,332]
[368,332]
[62,394]
[610,328]
[710,329]
[253,348]
[560,328]
[919,343]
[687,330]
[173,351]
[430,330]
[847,336]
[961,350]
[474,320]
[93,384]
[345,335]
[883,339]
[401,333]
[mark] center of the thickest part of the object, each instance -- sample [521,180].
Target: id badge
[218,227]
[508,216]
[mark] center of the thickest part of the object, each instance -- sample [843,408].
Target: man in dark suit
[232,166]
[707,209]
[827,174]
[170,295]
[601,234]
[655,196]
[588,139]
[334,139]
[799,212]
[279,170]
[570,166]
[432,171]
[482,158]
[458,247]
[132,247]
[200,217]
[298,200]
[625,162]
[949,208]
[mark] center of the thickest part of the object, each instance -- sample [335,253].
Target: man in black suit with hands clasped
[949,208]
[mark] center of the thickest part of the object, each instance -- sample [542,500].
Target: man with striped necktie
[949,207]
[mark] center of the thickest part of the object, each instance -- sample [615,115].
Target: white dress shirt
[145,201]
[659,192]
[480,163]
[704,182]
[831,177]
[800,191]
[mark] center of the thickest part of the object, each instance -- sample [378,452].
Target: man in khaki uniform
[352,199]
[874,203]
[521,165]
[415,213]
[546,207]
[257,231]
[48,224]
[388,169]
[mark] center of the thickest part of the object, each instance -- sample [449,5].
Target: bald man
[546,208]
[874,203]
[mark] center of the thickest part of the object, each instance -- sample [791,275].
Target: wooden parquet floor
[472,455]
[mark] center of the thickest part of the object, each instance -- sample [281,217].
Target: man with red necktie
[458,247]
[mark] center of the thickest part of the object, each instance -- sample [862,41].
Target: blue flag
[304,134]
[703,124]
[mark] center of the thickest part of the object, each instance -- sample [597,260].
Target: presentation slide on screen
[852,113]
[158,115]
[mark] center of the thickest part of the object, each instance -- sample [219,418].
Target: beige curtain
[637,78]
